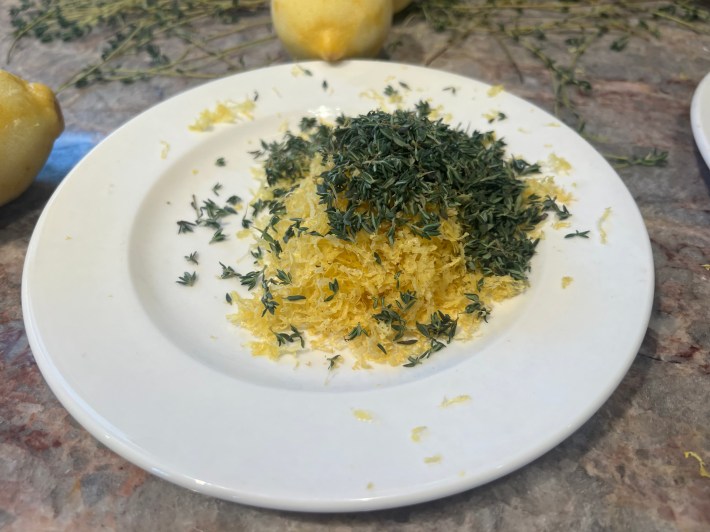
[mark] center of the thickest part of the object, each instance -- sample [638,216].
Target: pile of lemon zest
[370,486]
[561,224]
[524,130]
[363,415]
[435,269]
[558,164]
[456,400]
[600,225]
[495,90]
[490,116]
[706,266]
[224,113]
[418,433]
[703,470]
[435,459]
[566,281]
[553,124]
[195,171]
[276,91]
[243,233]
[165,150]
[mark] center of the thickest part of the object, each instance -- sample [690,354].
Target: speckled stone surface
[624,469]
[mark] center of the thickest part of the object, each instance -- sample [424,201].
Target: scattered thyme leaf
[187,279]
[577,233]
[184,226]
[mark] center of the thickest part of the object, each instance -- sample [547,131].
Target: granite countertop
[625,469]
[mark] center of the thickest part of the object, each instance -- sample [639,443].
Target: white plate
[154,370]
[700,117]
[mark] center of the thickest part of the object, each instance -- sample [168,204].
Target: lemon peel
[701,463]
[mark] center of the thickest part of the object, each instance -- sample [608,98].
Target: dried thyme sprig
[560,33]
[141,33]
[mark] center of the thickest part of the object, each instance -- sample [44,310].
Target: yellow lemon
[332,29]
[30,121]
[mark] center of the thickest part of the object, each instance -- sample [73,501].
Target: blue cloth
[69,149]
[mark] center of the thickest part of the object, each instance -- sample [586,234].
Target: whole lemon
[332,29]
[30,121]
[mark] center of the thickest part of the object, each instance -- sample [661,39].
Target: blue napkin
[69,149]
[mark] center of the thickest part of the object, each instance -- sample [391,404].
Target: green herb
[652,158]
[221,162]
[477,307]
[192,257]
[286,338]
[297,334]
[267,298]
[452,90]
[381,348]
[357,331]
[560,33]
[325,85]
[216,189]
[234,200]
[413,361]
[404,85]
[283,338]
[561,212]
[228,298]
[385,167]
[250,279]
[185,227]
[227,272]
[137,35]
[187,279]
[408,299]
[296,297]
[390,91]
[582,234]
[218,236]
[334,287]
[334,361]
[283,277]
[378,259]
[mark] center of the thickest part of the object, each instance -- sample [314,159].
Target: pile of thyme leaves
[402,171]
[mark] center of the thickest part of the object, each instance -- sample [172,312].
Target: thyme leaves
[391,172]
